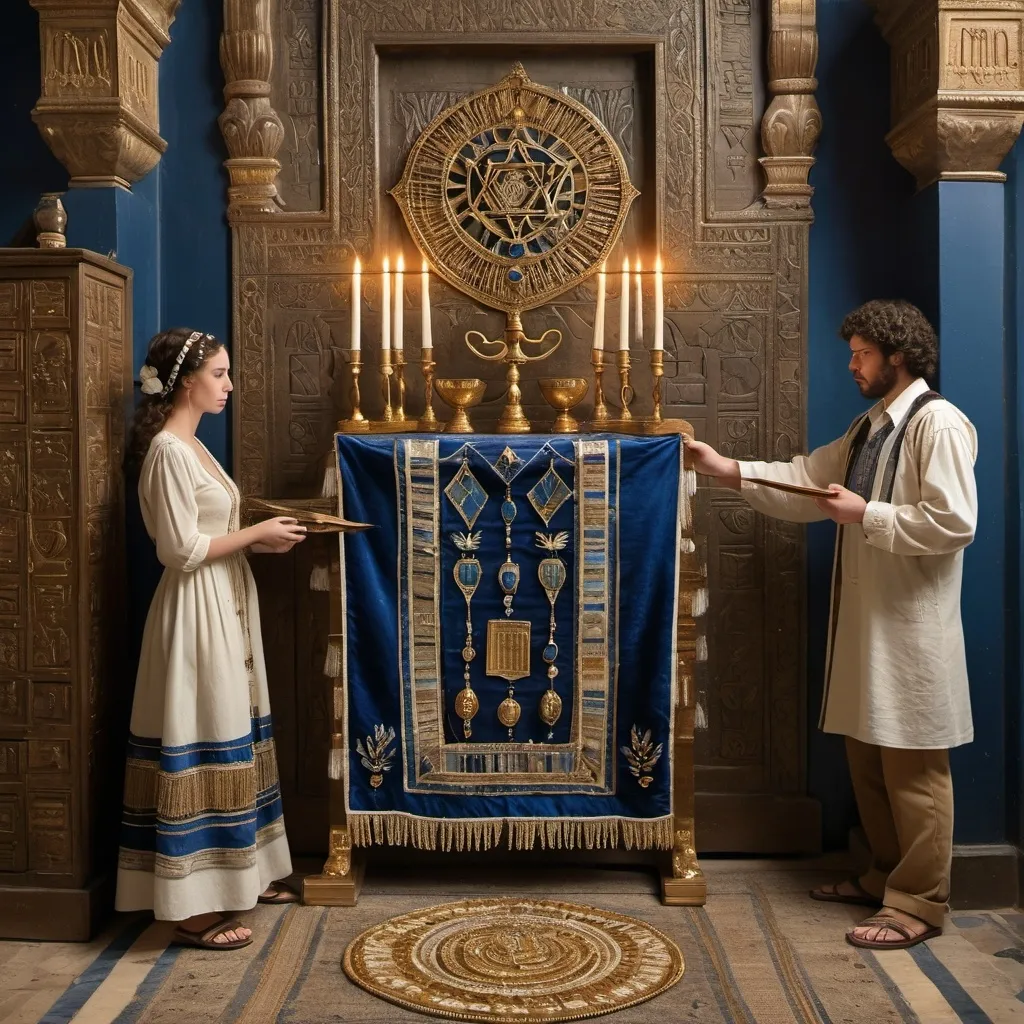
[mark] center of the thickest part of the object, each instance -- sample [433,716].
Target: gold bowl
[563,394]
[461,393]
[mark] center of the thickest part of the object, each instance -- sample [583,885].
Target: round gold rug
[513,960]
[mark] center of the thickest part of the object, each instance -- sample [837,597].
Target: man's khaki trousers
[905,799]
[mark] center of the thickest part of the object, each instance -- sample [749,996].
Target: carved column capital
[253,133]
[957,85]
[792,122]
[99,109]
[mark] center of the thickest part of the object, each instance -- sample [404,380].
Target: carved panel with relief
[683,88]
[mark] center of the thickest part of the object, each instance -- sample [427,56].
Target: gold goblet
[563,394]
[461,393]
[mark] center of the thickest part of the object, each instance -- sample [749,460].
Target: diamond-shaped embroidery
[466,494]
[508,465]
[549,494]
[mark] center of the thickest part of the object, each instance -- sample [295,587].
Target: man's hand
[844,506]
[704,459]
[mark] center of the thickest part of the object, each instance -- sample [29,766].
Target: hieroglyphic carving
[98,110]
[792,123]
[983,54]
[296,93]
[76,62]
[49,831]
[51,372]
[733,144]
[958,85]
[51,623]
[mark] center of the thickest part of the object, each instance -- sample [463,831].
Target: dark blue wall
[872,237]
[27,167]
[860,191]
[1014,670]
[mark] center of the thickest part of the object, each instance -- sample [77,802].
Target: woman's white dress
[202,827]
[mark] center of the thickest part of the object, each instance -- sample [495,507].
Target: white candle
[659,307]
[639,332]
[426,336]
[624,307]
[357,293]
[602,278]
[385,307]
[398,325]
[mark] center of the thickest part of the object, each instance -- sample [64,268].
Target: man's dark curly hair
[896,326]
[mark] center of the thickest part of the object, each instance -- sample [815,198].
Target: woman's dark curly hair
[153,410]
[896,326]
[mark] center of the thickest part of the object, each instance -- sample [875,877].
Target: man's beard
[881,385]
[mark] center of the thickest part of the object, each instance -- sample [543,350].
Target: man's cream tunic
[896,673]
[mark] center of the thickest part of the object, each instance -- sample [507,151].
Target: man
[896,674]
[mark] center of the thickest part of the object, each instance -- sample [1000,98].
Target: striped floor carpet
[759,952]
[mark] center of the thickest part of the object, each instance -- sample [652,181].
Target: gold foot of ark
[334,890]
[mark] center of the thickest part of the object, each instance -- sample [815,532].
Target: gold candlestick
[400,380]
[428,421]
[357,423]
[600,414]
[386,372]
[657,372]
[626,393]
[510,351]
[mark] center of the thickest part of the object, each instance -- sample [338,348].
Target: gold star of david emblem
[515,194]
[519,196]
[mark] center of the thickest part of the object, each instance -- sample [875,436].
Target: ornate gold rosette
[515,194]
[513,960]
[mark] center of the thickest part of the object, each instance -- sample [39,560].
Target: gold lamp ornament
[515,195]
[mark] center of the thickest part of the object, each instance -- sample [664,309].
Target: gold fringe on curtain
[332,662]
[392,829]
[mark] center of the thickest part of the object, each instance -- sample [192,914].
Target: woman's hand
[278,535]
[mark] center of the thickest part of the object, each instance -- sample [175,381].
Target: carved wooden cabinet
[65,376]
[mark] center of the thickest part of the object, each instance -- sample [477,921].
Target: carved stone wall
[324,102]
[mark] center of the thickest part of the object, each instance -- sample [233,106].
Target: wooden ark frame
[729,134]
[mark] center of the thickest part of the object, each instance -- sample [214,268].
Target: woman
[202,829]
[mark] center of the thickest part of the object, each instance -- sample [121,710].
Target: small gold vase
[461,394]
[563,394]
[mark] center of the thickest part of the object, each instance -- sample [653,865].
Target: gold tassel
[702,647]
[320,578]
[690,482]
[700,716]
[335,764]
[687,546]
[266,765]
[140,784]
[329,487]
[332,663]
[699,602]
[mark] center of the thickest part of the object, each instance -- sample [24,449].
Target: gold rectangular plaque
[508,648]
